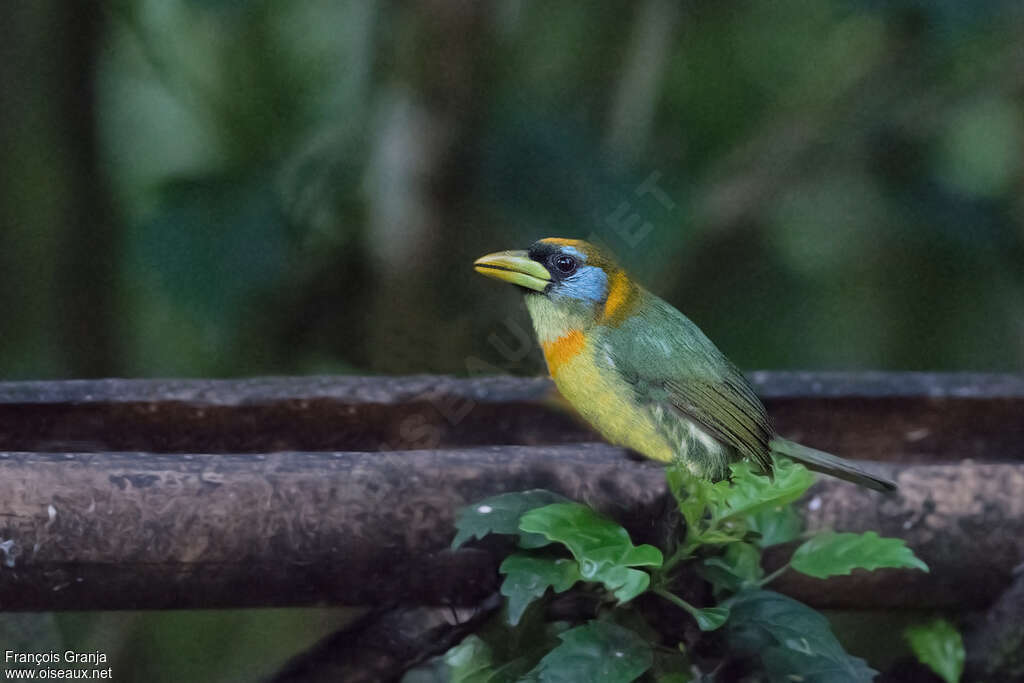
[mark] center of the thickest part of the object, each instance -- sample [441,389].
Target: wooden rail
[294,491]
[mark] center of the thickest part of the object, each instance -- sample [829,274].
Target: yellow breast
[586,377]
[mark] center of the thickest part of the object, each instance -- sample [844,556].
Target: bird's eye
[565,264]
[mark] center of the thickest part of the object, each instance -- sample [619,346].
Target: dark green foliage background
[222,188]
[233,187]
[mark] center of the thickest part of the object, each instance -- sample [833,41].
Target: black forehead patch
[541,251]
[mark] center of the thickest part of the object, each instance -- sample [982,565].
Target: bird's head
[570,273]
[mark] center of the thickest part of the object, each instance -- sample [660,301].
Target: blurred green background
[231,187]
[242,187]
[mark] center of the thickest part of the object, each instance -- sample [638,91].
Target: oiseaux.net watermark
[56,665]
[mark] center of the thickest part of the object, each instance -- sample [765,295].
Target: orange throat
[560,351]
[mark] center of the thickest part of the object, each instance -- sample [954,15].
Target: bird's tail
[826,463]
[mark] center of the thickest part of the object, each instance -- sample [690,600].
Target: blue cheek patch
[586,284]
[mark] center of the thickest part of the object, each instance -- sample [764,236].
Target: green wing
[680,375]
[725,411]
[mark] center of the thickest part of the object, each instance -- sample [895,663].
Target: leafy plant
[938,646]
[831,554]
[568,549]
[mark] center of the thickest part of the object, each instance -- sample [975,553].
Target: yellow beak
[515,267]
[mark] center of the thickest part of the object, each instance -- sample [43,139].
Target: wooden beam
[137,530]
[143,530]
[899,417]
[966,521]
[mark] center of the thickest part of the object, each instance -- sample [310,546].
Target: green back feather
[681,375]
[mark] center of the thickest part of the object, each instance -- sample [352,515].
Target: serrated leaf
[624,583]
[737,567]
[775,525]
[939,646]
[500,515]
[602,548]
[790,638]
[470,661]
[527,577]
[597,652]
[751,492]
[833,554]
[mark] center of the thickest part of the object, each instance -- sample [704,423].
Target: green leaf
[527,577]
[721,536]
[710,618]
[707,618]
[787,665]
[734,505]
[775,525]
[938,646]
[629,617]
[471,661]
[513,671]
[832,554]
[500,515]
[602,548]
[502,653]
[690,492]
[738,567]
[434,670]
[751,492]
[597,652]
[624,583]
[791,639]
[721,580]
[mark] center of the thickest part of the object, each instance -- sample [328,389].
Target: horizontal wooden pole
[966,521]
[899,417]
[143,530]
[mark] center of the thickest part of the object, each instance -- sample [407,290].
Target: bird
[642,373]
